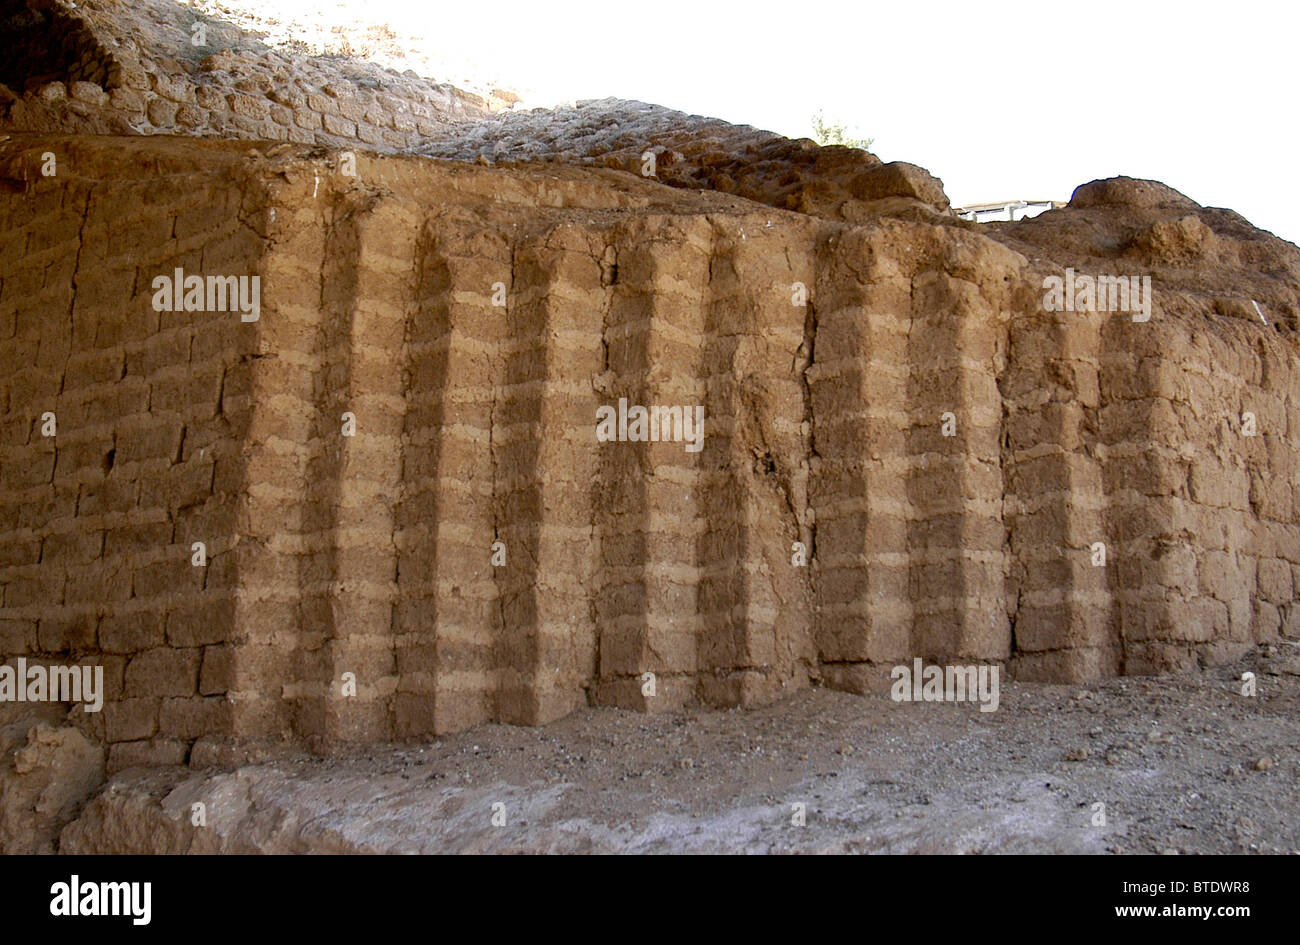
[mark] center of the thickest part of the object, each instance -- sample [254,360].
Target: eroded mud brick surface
[408,522]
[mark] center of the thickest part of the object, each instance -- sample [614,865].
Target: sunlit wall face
[1002,100]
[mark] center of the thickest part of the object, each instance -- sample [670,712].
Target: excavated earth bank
[410,528]
[1183,766]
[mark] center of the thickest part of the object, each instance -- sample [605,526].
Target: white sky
[1001,100]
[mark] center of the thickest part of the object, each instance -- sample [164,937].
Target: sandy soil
[1182,764]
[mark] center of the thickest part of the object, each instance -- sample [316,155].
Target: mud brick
[1291,620]
[137,539]
[114,674]
[131,719]
[217,673]
[17,637]
[1221,575]
[49,505]
[189,395]
[62,230]
[163,672]
[93,367]
[268,668]
[29,551]
[100,582]
[357,720]
[189,718]
[115,493]
[371,661]
[173,574]
[31,470]
[223,571]
[229,476]
[413,714]
[65,634]
[131,397]
[44,587]
[131,633]
[153,753]
[160,439]
[1268,621]
[164,350]
[684,559]
[107,290]
[226,339]
[1275,580]
[215,517]
[201,622]
[183,485]
[199,220]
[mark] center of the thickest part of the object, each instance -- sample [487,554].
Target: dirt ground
[1183,764]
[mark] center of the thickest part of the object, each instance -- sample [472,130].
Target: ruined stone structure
[905,454]
[111,67]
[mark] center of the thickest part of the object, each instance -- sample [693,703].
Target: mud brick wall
[755,609]
[1227,554]
[909,533]
[475,424]
[97,522]
[371,554]
[1056,506]
[1131,434]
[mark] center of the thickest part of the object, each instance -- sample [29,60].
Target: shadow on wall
[43,46]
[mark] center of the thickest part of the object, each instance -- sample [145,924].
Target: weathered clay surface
[371,554]
[905,454]
[47,771]
[1147,423]
[700,153]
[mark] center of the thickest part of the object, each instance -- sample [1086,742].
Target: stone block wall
[118,67]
